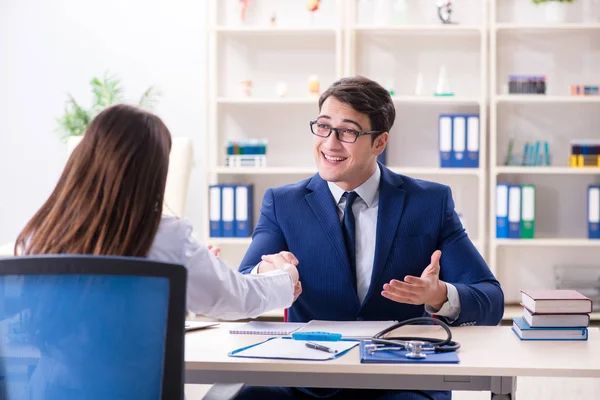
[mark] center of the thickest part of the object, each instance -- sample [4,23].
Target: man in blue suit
[370,244]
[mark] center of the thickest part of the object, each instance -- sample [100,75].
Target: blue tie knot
[350,197]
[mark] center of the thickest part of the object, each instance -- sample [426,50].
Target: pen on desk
[317,346]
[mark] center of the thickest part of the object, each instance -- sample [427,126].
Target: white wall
[49,48]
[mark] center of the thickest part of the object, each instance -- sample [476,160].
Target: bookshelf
[492,40]
[394,55]
[298,45]
[522,43]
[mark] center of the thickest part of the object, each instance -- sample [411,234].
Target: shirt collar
[367,191]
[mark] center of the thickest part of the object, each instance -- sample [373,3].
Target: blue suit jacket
[415,218]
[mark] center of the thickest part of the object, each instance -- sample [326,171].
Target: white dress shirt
[365,209]
[213,288]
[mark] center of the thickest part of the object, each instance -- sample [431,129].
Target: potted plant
[555,10]
[106,92]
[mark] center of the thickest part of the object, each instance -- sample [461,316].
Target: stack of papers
[196,325]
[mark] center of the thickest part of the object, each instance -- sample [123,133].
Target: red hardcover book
[544,301]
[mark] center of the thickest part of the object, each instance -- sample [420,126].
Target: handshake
[283,260]
[286,261]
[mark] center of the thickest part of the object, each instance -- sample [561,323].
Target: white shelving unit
[492,39]
[337,40]
[394,55]
[521,43]
[297,46]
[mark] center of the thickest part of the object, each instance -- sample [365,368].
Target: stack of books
[553,315]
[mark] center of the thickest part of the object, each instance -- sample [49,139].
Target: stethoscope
[415,345]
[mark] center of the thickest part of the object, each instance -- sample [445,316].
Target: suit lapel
[391,206]
[323,205]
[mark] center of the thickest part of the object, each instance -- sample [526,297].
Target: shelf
[515,310]
[547,27]
[313,170]
[313,100]
[541,98]
[265,170]
[439,29]
[547,242]
[276,30]
[437,100]
[548,170]
[242,241]
[436,171]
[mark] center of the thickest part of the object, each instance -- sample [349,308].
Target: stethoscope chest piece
[416,350]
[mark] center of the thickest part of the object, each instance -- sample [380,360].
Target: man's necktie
[348,227]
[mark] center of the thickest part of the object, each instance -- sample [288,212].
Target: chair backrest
[7,249]
[181,161]
[91,327]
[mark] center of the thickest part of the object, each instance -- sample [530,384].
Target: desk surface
[485,351]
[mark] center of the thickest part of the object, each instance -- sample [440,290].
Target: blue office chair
[90,327]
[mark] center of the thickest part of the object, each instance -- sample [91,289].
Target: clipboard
[286,348]
[399,356]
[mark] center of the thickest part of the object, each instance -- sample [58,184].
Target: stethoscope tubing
[439,345]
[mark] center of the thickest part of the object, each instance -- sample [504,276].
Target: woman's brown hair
[109,198]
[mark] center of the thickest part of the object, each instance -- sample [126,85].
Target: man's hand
[297,290]
[274,261]
[286,261]
[428,289]
[214,250]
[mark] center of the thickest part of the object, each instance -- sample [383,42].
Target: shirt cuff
[451,308]
[254,270]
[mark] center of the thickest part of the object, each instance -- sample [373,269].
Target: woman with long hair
[109,201]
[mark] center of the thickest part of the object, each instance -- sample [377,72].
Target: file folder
[502,211]
[514,212]
[228,210]
[594,212]
[527,211]
[445,139]
[459,141]
[216,222]
[399,356]
[472,160]
[243,210]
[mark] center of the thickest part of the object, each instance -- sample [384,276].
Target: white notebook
[348,329]
[267,328]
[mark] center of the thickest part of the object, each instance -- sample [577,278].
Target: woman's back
[109,201]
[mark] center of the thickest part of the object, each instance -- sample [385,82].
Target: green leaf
[149,98]
[75,120]
[106,92]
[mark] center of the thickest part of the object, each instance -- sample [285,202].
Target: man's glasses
[345,135]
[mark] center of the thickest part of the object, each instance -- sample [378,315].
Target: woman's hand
[283,260]
[214,250]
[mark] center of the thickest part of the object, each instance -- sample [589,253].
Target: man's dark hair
[367,97]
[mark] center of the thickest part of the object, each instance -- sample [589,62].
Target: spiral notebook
[267,328]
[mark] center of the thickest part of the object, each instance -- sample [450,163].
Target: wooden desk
[490,360]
